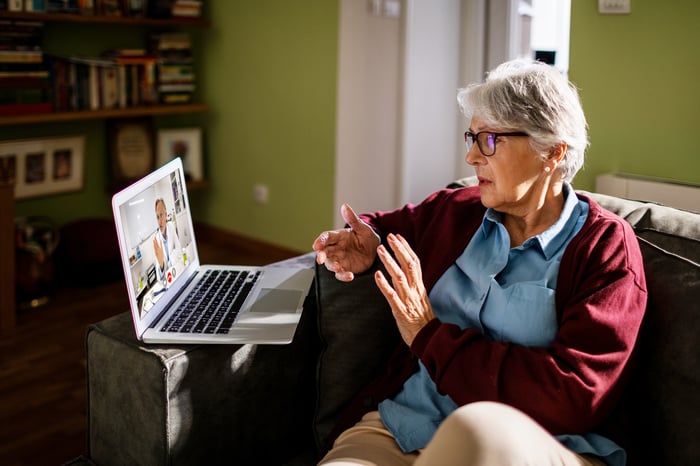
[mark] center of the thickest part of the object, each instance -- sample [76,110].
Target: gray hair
[533,97]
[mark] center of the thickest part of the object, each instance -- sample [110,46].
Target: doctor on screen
[165,243]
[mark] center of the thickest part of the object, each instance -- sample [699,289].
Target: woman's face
[162,217]
[513,179]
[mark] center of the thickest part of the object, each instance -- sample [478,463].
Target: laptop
[174,298]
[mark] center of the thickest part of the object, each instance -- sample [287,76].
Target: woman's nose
[473,155]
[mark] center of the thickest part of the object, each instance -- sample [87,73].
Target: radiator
[672,193]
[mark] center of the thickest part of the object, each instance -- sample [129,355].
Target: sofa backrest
[659,415]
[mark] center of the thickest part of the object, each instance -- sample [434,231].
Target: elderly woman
[519,301]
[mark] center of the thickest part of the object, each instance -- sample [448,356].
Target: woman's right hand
[350,250]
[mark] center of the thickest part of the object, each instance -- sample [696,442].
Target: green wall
[269,74]
[268,70]
[638,79]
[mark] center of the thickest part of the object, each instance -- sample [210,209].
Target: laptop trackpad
[277,300]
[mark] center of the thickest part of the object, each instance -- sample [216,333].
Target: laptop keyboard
[212,306]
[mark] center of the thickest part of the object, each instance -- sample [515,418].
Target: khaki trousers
[483,434]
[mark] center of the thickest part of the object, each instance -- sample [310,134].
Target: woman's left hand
[406,293]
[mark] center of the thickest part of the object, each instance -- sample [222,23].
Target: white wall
[550,29]
[429,136]
[369,72]
[398,124]
[472,62]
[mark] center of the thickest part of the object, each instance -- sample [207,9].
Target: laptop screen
[156,237]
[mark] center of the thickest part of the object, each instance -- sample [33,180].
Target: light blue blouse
[508,295]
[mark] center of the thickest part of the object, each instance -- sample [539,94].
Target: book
[25,108]
[177,87]
[149,91]
[186,8]
[15,5]
[35,5]
[20,35]
[25,96]
[61,85]
[122,95]
[176,98]
[13,82]
[175,73]
[92,83]
[176,77]
[109,87]
[115,53]
[21,56]
[21,74]
[86,7]
[62,6]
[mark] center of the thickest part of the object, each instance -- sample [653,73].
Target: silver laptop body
[154,214]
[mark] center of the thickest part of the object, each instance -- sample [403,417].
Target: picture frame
[40,167]
[131,146]
[185,143]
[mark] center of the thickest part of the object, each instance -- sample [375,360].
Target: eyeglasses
[486,140]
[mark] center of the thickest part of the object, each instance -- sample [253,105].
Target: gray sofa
[260,405]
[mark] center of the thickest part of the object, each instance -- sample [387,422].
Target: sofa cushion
[659,415]
[357,333]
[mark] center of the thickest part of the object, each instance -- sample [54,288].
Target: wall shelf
[101,19]
[55,117]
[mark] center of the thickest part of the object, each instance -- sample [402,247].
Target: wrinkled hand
[406,293]
[160,254]
[350,250]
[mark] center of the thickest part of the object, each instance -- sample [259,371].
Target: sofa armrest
[198,404]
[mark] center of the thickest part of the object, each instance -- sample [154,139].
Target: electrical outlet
[261,194]
[614,7]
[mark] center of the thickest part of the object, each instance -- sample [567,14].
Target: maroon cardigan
[570,387]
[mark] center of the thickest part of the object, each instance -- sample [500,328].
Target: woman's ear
[558,152]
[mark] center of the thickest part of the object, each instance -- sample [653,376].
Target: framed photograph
[185,143]
[131,149]
[8,169]
[38,167]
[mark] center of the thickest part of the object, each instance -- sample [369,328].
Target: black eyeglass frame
[475,139]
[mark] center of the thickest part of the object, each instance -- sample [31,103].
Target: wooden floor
[42,364]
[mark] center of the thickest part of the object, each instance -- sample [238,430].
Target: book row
[136,8]
[34,82]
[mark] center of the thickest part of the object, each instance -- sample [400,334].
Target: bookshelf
[149,110]
[125,21]
[7,203]
[98,19]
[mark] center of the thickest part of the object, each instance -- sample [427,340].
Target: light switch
[385,8]
[614,7]
[392,8]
